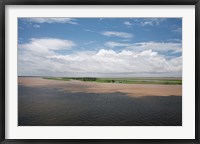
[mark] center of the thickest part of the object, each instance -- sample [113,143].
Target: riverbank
[75,86]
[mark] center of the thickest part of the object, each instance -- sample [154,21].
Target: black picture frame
[4,3]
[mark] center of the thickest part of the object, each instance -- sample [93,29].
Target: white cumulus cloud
[175,46]
[157,46]
[113,44]
[151,21]
[52,20]
[127,23]
[45,45]
[117,34]
[36,26]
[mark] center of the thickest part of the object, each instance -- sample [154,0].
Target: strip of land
[74,86]
[164,80]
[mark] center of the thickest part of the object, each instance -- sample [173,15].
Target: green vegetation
[167,81]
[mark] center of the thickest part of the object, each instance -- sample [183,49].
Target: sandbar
[75,86]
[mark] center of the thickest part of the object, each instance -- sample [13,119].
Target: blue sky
[100,47]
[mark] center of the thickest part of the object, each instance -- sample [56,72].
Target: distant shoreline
[166,81]
[110,77]
[122,80]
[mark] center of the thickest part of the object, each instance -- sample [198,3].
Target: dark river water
[53,107]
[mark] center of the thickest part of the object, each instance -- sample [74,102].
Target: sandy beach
[74,86]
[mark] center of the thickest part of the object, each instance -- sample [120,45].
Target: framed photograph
[100,72]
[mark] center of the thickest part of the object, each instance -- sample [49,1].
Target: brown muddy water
[43,106]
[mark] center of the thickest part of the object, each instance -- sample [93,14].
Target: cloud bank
[41,57]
